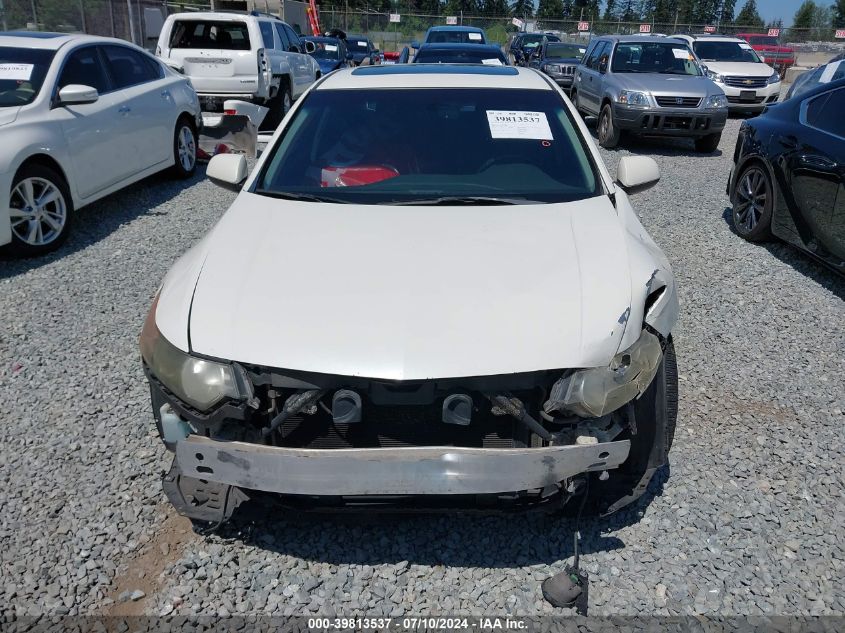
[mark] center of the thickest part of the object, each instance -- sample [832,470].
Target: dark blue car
[523,45]
[460,54]
[453,35]
[330,53]
[558,60]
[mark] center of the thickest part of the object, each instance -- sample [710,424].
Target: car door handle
[124,109]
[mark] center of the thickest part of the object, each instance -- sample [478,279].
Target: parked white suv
[748,82]
[254,57]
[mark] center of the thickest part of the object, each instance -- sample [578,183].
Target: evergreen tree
[550,10]
[805,16]
[728,8]
[522,9]
[838,14]
[608,10]
[495,8]
[664,12]
[749,16]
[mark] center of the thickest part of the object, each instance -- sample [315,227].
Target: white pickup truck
[253,57]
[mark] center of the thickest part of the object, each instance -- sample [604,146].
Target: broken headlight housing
[200,383]
[595,392]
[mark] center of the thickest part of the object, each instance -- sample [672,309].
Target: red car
[767,46]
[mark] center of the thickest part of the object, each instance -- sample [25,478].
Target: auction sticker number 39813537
[519,124]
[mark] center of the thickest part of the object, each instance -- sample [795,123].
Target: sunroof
[40,35]
[436,69]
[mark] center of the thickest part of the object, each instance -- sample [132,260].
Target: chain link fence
[132,20]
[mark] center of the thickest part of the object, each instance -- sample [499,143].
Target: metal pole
[131,21]
[34,15]
[3,14]
[111,16]
[82,15]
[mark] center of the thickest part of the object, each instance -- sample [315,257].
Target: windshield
[569,51]
[445,56]
[501,145]
[225,35]
[455,37]
[359,46]
[22,71]
[763,40]
[653,57]
[532,41]
[725,52]
[326,50]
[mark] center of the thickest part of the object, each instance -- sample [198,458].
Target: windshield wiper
[304,197]
[463,200]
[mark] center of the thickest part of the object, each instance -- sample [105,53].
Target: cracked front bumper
[391,471]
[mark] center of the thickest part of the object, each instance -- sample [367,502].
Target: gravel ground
[749,522]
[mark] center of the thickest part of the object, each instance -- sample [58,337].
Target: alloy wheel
[751,198]
[38,211]
[187,148]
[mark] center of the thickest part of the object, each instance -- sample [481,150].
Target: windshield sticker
[681,53]
[362,42]
[582,50]
[519,124]
[746,47]
[474,36]
[331,47]
[492,62]
[828,73]
[16,72]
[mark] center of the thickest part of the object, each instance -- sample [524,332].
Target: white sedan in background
[80,118]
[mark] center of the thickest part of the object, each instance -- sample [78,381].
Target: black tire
[184,149]
[609,134]
[573,96]
[753,201]
[708,144]
[279,106]
[648,450]
[58,212]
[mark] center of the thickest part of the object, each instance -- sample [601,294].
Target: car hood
[413,292]
[674,85]
[745,69]
[8,115]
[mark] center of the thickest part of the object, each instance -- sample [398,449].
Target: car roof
[637,38]
[320,38]
[218,15]
[460,29]
[700,37]
[435,76]
[50,41]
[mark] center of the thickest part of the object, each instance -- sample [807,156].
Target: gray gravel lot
[749,522]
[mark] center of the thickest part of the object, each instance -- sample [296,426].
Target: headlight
[634,98]
[593,393]
[553,68]
[199,382]
[715,76]
[775,78]
[716,101]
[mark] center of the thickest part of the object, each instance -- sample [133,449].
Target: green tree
[550,10]
[664,12]
[750,17]
[805,15]
[727,13]
[609,7]
[522,9]
[495,8]
[838,13]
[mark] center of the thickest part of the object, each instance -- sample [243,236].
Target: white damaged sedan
[430,291]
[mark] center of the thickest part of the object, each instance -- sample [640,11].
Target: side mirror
[77,94]
[310,47]
[227,170]
[636,173]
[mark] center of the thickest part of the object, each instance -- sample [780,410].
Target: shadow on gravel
[664,146]
[461,540]
[96,221]
[798,259]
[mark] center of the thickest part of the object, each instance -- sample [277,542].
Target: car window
[283,37]
[601,49]
[763,40]
[654,57]
[328,50]
[559,49]
[825,112]
[84,66]
[293,38]
[267,34]
[725,52]
[356,146]
[225,35]
[22,72]
[358,45]
[456,37]
[128,67]
[451,56]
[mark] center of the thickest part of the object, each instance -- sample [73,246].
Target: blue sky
[774,9]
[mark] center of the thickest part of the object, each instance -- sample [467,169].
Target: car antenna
[570,588]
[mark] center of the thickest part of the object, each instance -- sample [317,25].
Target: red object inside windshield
[355,176]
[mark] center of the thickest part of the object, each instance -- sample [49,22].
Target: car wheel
[752,204]
[40,210]
[279,107]
[184,149]
[609,134]
[708,144]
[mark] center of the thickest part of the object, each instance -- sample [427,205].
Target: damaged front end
[311,440]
